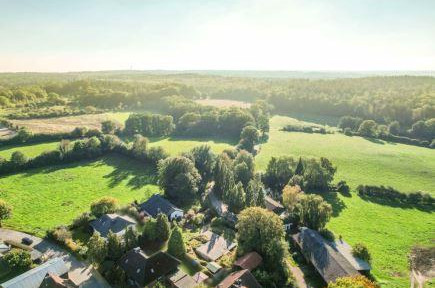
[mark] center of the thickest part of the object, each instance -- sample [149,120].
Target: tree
[104,206]
[278,172]
[353,282]
[140,144]
[343,188]
[360,250]
[235,198]
[115,247]
[155,154]
[262,231]
[244,168]
[18,159]
[248,138]
[18,259]
[254,192]
[290,197]
[394,128]
[109,127]
[130,238]
[162,227]
[318,176]
[97,249]
[313,211]
[352,123]
[300,167]
[179,179]
[23,134]
[5,211]
[367,128]
[176,246]
[223,175]
[204,160]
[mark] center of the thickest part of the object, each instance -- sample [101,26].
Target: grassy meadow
[31,150]
[46,197]
[388,231]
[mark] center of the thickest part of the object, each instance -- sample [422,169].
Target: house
[242,279]
[273,205]
[157,204]
[216,247]
[249,261]
[221,208]
[112,222]
[35,277]
[328,257]
[181,279]
[55,281]
[142,270]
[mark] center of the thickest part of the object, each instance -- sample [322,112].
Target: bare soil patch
[223,103]
[63,124]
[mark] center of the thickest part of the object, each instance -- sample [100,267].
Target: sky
[84,35]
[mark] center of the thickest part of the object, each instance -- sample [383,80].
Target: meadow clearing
[67,124]
[388,231]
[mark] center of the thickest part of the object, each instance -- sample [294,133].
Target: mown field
[46,197]
[388,231]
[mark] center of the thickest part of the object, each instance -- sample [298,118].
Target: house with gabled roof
[143,271]
[35,277]
[249,261]
[157,204]
[332,260]
[242,279]
[216,247]
[118,224]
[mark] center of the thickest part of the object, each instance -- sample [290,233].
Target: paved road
[80,272]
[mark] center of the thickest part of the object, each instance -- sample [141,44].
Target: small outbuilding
[157,204]
[273,205]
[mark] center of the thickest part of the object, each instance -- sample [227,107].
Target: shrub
[176,246]
[360,250]
[5,211]
[82,220]
[61,234]
[343,188]
[103,206]
[18,259]
[353,282]
[391,194]
[347,131]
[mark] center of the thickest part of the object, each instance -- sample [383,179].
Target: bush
[347,131]
[82,220]
[104,206]
[353,282]
[18,259]
[343,188]
[360,250]
[61,234]
[391,194]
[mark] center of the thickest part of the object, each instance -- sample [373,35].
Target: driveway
[80,272]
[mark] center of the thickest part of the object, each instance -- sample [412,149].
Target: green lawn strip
[31,150]
[389,232]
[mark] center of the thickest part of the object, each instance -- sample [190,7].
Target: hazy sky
[61,35]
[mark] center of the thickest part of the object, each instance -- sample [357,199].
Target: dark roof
[328,261]
[55,281]
[34,277]
[112,222]
[243,278]
[272,204]
[145,270]
[157,204]
[249,261]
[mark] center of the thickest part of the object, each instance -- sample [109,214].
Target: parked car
[27,241]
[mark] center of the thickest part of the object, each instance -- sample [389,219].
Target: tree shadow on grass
[337,204]
[398,204]
[136,174]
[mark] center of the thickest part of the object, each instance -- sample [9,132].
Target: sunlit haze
[52,35]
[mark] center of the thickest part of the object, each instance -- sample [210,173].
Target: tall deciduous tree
[179,179]
[176,246]
[278,172]
[130,238]
[290,197]
[223,175]
[115,247]
[204,160]
[313,211]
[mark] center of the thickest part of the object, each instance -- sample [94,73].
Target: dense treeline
[406,99]
[421,133]
[393,195]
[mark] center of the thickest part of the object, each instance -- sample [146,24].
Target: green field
[29,150]
[175,146]
[46,197]
[388,232]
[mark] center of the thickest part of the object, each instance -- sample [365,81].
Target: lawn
[47,197]
[175,146]
[388,231]
[28,150]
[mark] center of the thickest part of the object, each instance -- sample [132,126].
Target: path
[299,276]
[80,272]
